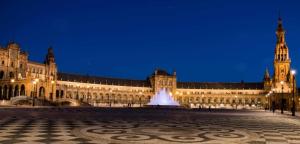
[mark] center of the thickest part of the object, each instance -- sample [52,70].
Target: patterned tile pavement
[100,125]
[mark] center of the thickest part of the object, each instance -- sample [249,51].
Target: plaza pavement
[144,125]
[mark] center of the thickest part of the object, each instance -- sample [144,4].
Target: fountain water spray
[163,98]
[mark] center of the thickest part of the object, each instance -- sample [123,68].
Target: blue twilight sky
[203,40]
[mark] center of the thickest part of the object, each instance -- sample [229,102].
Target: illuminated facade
[19,76]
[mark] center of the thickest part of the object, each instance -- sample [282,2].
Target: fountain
[163,98]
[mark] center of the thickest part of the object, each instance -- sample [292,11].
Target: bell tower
[282,61]
[51,73]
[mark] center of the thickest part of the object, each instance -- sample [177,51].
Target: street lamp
[268,98]
[33,94]
[272,99]
[236,102]
[77,96]
[282,82]
[140,101]
[12,83]
[52,83]
[109,102]
[88,94]
[293,107]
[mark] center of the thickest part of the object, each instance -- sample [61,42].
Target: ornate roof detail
[102,80]
[161,72]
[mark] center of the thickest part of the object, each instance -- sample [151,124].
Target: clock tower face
[282,73]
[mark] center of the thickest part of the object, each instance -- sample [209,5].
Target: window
[2,62]
[11,75]
[12,64]
[1,74]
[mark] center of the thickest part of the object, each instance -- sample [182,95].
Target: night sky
[203,40]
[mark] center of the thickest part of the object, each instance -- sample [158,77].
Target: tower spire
[267,75]
[281,57]
[280,27]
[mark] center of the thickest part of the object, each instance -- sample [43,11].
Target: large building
[21,77]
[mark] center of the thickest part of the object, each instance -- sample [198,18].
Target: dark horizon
[204,41]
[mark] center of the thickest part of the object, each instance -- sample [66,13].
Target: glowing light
[12,80]
[282,82]
[164,98]
[293,72]
[52,82]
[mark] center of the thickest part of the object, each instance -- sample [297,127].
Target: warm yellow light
[36,80]
[52,82]
[282,82]
[293,72]
[12,80]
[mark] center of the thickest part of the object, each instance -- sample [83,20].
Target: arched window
[5,92]
[10,92]
[61,94]
[22,92]
[1,74]
[16,92]
[11,75]
[57,94]
[1,94]
[42,92]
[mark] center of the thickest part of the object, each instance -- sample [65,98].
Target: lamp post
[77,96]
[268,98]
[293,107]
[140,101]
[51,96]
[88,94]
[109,103]
[12,83]
[33,94]
[236,102]
[36,87]
[281,96]
[272,100]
